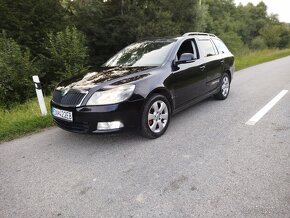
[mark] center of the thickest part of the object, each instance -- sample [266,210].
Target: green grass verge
[258,57]
[23,119]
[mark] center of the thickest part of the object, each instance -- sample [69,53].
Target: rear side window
[206,48]
[221,47]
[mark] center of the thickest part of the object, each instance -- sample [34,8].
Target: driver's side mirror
[184,59]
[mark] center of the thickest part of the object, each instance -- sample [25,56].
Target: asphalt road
[208,164]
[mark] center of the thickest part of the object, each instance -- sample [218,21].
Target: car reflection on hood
[91,79]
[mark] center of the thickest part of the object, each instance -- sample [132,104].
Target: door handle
[222,61]
[202,68]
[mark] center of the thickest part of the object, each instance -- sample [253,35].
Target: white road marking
[266,108]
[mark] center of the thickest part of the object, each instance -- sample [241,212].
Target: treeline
[57,39]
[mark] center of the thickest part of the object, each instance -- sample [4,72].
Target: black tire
[146,131]
[225,83]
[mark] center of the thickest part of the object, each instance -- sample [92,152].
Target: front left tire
[156,116]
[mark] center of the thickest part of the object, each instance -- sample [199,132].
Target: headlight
[112,96]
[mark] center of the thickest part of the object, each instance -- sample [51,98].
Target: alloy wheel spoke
[154,125]
[151,116]
[155,107]
[162,107]
[164,116]
[225,92]
[160,125]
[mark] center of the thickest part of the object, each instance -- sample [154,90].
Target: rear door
[214,63]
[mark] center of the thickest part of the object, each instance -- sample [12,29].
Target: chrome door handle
[222,61]
[202,68]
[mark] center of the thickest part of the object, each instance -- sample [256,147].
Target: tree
[258,43]
[28,22]
[16,70]
[113,24]
[66,56]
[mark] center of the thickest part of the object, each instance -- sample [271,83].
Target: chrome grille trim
[73,98]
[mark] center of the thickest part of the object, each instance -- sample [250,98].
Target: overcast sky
[280,7]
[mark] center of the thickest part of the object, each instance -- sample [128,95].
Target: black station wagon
[144,84]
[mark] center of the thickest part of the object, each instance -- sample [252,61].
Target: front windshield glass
[140,54]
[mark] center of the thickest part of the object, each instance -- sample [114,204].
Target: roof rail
[198,34]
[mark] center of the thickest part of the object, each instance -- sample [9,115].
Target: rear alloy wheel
[155,116]
[224,88]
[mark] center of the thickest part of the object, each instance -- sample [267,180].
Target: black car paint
[184,85]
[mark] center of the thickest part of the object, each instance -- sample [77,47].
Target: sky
[280,7]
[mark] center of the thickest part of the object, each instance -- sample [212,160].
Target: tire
[225,87]
[156,116]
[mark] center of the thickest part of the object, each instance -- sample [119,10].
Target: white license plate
[62,114]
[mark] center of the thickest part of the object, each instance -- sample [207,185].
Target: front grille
[72,98]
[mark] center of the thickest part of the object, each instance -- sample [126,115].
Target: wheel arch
[163,91]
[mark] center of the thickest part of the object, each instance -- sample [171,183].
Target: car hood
[115,76]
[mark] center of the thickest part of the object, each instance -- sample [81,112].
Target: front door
[188,81]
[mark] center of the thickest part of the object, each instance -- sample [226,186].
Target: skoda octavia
[144,84]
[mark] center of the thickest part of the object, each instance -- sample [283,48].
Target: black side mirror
[184,59]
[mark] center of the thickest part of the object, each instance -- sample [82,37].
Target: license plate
[62,114]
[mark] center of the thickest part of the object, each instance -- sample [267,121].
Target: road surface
[208,164]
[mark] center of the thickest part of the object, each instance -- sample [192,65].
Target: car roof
[198,35]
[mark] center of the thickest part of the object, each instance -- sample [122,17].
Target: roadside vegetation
[259,56]
[57,39]
[22,119]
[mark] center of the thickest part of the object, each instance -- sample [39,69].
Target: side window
[221,47]
[206,48]
[187,47]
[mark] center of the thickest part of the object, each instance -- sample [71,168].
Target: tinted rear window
[221,47]
[206,48]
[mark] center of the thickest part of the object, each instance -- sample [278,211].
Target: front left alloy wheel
[155,116]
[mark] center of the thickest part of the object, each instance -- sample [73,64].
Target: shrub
[276,36]
[66,56]
[16,69]
[234,42]
[258,43]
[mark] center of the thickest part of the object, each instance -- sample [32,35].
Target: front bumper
[86,118]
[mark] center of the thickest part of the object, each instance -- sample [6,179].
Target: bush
[276,36]
[234,43]
[16,70]
[258,43]
[66,56]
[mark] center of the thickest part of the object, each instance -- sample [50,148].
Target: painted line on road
[266,108]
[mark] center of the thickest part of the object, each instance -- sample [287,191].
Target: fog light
[110,125]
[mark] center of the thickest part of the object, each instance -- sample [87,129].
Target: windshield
[140,54]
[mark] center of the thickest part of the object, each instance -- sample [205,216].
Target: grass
[23,119]
[26,118]
[258,57]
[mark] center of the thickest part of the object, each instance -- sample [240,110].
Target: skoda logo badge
[64,92]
